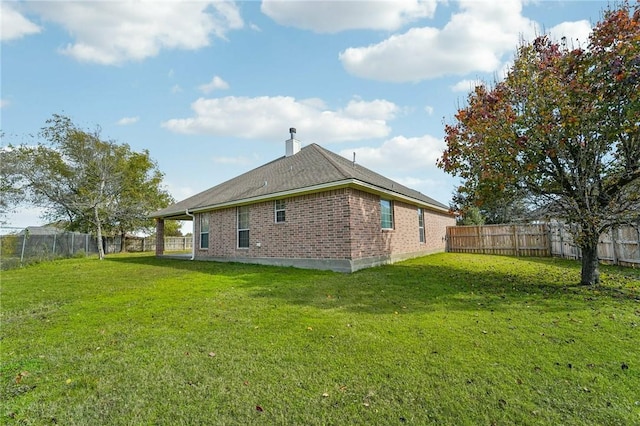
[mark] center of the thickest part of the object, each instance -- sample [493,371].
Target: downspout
[193,234]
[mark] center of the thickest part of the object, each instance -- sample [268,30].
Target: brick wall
[316,226]
[367,238]
[337,224]
[435,227]
[403,238]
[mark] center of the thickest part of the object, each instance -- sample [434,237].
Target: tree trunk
[99,233]
[590,265]
[123,242]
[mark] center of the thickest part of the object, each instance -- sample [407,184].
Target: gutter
[193,234]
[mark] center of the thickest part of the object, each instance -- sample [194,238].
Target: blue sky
[211,88]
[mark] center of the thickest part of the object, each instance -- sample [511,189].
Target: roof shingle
[313,166]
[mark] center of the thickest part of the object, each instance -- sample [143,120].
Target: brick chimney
[292,145]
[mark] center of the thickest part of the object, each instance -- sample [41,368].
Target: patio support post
[159,237]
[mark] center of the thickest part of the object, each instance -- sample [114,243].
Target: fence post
[515,240]
[53,252]
[613,244]
[24,242]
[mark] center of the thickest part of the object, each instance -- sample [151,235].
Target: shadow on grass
[447,281]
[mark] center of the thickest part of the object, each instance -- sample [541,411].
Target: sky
[211,88]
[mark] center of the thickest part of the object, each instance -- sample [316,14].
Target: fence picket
[620,246]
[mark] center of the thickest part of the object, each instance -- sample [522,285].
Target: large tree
[88,183]
[141,183]
[562,129]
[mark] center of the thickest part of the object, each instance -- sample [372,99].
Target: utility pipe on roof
[193,234]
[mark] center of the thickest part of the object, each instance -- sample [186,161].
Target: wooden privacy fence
[508,240]
[134,244]
[620,246]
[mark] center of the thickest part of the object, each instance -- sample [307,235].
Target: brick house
[311,209]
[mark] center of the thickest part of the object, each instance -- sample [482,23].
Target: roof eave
[353,183]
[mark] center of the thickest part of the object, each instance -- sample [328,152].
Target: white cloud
[115,32]
[475,39]
[216,83]
[418,153]
[125,121]
[4,103]
[176,89]
[429,109]
[336,16]
[13,24]
[575,33]
[478,38]
[466,85]
[268,118]
[377,109]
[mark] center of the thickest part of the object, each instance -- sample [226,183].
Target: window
[421,225]
[243,227]
[280,211]
[386,214]
[204,231]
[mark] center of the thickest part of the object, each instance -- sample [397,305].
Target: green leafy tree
[472,216]
[140,193]
[500,209]
[563,130]
[87,183]
[172,228]
[10,193]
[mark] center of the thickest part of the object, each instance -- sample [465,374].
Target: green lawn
[448,339]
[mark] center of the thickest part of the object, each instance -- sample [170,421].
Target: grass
[447,339]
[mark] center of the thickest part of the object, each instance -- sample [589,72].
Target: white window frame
[242,210]
[384,220]
[421,234]
[280,206]
[204,231]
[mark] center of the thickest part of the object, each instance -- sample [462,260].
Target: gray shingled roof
[312,168]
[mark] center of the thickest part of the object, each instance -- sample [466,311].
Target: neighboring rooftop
[310,169]
[42,230]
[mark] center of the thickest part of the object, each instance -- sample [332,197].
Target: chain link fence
[20,246]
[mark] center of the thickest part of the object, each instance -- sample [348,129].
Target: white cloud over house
[336,16]
[412,153]
[266,118]
[111,33]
